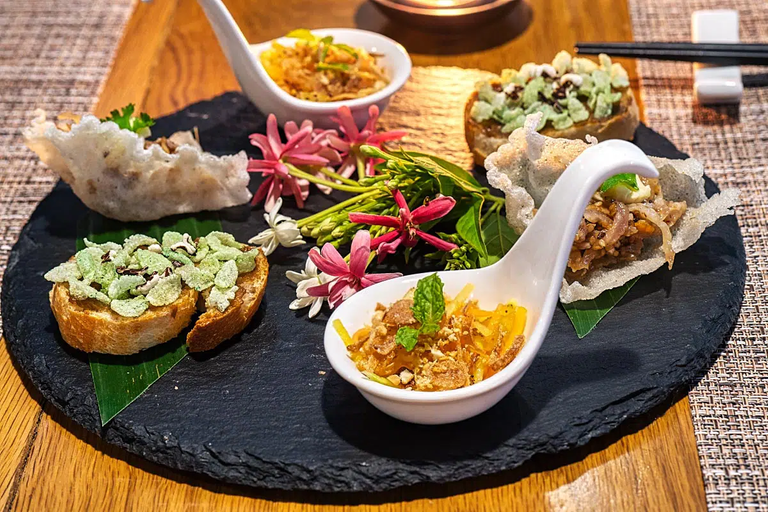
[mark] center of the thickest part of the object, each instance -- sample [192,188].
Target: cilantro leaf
[336,66]
[125,120]
[429,303]
[627,180]
[407,337]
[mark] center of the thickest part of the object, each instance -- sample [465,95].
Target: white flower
[305,279]
[282,230]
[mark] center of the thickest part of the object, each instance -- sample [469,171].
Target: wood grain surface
[169,58]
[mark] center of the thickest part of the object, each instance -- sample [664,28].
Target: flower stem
[494,208]
[340,206]
[298,173]
[495,199]
[328,172]
[360,166]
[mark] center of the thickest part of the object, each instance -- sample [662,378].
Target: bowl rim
[337,355]
[446,12]
[399,76]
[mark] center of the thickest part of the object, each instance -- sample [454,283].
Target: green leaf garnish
[119,380]
[407,337]
[468,227]
[428,308]
[585,314]
[627,180]
[499,238]
[125,120]
[336,66]
[429,303]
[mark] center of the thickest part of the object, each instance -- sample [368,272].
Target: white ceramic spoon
[270,98]
[530,274]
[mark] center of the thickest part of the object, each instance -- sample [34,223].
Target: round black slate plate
[258,411]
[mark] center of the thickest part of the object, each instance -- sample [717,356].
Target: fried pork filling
[66,120]
[613,231]
[470,346]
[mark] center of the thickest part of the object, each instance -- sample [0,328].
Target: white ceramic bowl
[395,62]
[423,407]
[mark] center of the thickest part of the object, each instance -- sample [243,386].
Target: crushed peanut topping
[468,344]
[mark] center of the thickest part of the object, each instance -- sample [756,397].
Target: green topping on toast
[130,307]
[569,91]
[80,290]
[220,298]
[196,278]
[106,247]
[88,262]
[133,242]
[246,262]
[166,291]
[152,261]
[171,238]
[144,272]
[227,275]
[63,273]
[210,264]
[120,287]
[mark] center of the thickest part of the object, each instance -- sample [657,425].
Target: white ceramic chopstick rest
[716,84]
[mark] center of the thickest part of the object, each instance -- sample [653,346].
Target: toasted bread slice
[214,327]
[486,137]
[91,326]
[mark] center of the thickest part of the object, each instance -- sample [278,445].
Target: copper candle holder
[451,14]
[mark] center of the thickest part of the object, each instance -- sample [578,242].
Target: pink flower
[405,227]
[348,278]
[303,148]
[349,145]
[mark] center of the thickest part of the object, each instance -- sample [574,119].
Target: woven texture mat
[730,404]
[54,55]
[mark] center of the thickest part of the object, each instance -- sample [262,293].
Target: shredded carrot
[342,332]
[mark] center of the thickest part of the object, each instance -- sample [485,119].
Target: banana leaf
[585,314]
[119,380]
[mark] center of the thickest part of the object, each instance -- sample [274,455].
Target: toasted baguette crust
[91,326]
[484,139]
[214,327]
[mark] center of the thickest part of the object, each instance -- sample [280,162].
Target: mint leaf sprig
[428,308]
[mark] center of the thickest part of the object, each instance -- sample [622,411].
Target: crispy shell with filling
[616,242]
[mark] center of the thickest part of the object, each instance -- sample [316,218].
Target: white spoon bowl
[244,58]
[530,275]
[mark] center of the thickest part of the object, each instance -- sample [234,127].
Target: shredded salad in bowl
[319,69]
[428,341]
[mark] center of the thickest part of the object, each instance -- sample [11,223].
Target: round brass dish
[451,14]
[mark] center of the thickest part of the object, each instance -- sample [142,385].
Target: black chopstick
[711,53]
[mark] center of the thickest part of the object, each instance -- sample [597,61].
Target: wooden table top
[169,58]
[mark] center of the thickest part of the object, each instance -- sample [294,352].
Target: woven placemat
[730,404]
[53,55]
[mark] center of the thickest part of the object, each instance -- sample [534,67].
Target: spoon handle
[543,249]
[233,44]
